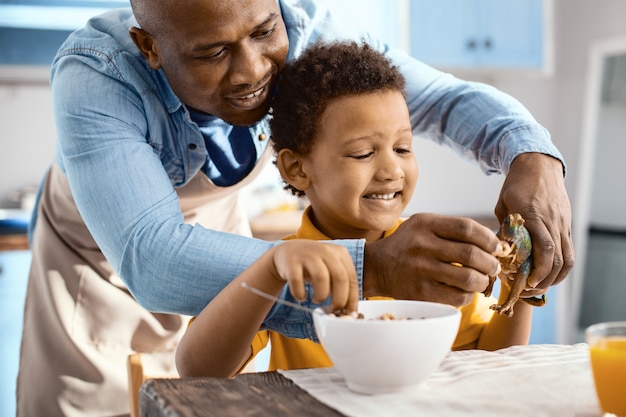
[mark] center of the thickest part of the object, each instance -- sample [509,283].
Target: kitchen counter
[13,229]
[277,224]
[13,242]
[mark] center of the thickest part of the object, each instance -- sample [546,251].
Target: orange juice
[608,361]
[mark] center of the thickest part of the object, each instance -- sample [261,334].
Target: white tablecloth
[533,380]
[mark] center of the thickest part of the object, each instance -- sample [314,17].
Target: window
[32,30]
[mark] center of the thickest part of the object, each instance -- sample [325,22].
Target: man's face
[222,57]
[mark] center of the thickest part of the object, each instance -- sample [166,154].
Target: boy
[343,139]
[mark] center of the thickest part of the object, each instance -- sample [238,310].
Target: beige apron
[80,321]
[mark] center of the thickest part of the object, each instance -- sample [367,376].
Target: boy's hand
[328,267]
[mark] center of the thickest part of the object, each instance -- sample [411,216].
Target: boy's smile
[361,171]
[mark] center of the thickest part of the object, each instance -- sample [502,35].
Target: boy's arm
[218,342]
[503,331]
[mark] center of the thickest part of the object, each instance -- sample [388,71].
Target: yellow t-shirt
[289,353]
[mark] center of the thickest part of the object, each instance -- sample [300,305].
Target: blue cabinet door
[512,33]
[478,33]
[441,32]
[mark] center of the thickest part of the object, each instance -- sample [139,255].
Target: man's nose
[248,66]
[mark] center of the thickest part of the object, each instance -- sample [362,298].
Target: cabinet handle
[488,43]
[471,44]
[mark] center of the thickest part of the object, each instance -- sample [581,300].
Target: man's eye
[264,32]
[216,55]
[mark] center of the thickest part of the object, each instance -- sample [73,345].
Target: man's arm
[535,188]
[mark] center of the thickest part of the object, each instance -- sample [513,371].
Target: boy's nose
[389,168]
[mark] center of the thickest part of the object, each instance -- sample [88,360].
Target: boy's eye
[403,151]
[362,155]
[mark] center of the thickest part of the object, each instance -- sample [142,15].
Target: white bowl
[377,356]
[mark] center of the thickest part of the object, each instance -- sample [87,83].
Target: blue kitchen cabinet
[14,267]
[474,34]
[31,31]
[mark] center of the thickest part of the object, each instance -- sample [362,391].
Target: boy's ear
[290,167]
[147,45]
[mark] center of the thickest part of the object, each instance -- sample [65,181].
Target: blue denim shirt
[125,142]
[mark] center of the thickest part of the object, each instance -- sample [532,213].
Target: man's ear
[290,167]
[146,44]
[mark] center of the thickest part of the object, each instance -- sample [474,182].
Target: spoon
[285,302]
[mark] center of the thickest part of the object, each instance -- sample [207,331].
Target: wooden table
[521,381]
[253,394]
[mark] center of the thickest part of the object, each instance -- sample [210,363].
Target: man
[161,124]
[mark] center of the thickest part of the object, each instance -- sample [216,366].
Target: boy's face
[362,170]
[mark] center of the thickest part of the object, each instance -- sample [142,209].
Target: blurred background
[565,60]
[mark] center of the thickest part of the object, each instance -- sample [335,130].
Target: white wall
[580,25]
[27,137]
[448,184]
[608,189]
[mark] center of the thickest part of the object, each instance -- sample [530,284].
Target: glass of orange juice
[607,348]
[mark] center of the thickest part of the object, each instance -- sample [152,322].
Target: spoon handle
[278,300]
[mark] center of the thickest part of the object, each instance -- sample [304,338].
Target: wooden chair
[137,375]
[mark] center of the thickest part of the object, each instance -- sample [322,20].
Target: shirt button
[192,146]
[262,137]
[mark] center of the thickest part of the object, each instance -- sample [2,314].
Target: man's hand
[422,260]
[535,188]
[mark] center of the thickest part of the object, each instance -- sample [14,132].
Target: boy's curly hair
[325,71]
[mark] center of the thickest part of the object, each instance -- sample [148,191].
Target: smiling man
[224,64]
[162,117]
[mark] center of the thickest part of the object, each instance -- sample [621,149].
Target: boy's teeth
[382,196]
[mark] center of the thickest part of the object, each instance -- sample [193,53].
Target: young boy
[343,139]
